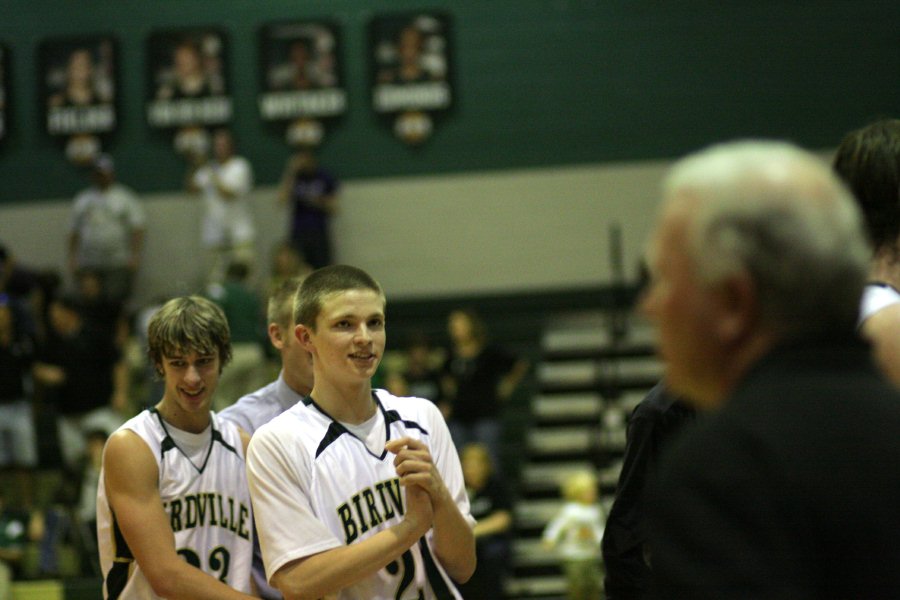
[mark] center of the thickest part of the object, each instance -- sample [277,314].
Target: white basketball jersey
[876,297]
[317,486]
[208,507]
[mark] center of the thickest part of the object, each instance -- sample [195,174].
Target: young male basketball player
[358,493]
[173,508]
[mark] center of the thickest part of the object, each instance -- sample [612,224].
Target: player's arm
[454,541]
[880,329]
[224,189]
[287,181]
[245,439]
[131,479]
[496,522]
[286,526]
[325,573]
[233,181]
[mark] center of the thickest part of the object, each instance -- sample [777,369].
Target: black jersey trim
[439,585]
[168,442]
[117,577]
[883,284]
[217,437]
[336,429]
[392,416]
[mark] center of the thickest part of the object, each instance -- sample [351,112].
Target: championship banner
[188,84]
[410,57]
[301,78]
[78,91]
[4,89]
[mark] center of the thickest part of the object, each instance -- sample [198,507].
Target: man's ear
[304,336]
[275,336]
[738,300]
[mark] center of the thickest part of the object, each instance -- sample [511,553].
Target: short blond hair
[326,281]
[575,484]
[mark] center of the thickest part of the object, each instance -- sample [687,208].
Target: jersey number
[219,560]
[407,571]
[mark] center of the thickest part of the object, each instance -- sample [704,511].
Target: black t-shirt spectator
[476,381]
[88,358]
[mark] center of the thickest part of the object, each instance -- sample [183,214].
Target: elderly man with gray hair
[790,487]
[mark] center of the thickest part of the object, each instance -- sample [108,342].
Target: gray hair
[780,214]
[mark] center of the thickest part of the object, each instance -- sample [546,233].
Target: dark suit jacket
[791,490]
[652,425]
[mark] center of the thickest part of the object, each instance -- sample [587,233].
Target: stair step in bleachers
[546,587]
[562,440]
[532,552]
[592,372]
[583,406]
[536,513]
[572,373]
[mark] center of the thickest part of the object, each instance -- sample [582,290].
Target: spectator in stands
[16,280]
[225,182]
[83,375]
[311,193]
[104,315]
[14,537]
[492,508]
[653,424]
[107,232]
[789,488]
[241,305]
[868,160]
[18,442]
[478,378]
[287,263]
[154,386]
[422,377]
[576,531]
[294,383]
[414,372]
[91,461]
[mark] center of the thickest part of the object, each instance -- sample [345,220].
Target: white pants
[18,441]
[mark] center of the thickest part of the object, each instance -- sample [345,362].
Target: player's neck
[345,402]
[175,416]
[295,383]
[885,267]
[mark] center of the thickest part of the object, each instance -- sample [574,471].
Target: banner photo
[79,85]
[188,84]
[410,57]
[78,91]
[301,82]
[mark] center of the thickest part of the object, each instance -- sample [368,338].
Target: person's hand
[417,475]
[51,375]
[415,467]
[419,512]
